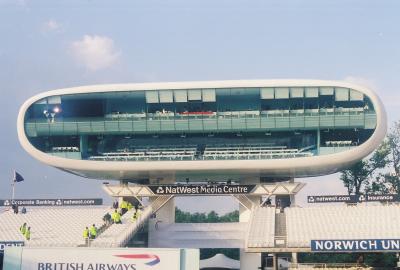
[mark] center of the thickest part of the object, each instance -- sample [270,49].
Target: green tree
[362,174]
[391,178]
[211,217]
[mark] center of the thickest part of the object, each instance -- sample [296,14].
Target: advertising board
[201,189]
[99,259]
[355,245]
[52,202]
[353,198]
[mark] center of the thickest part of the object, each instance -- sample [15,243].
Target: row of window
[210,95]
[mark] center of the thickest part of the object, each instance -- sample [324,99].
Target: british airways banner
[355,245]
[101,259]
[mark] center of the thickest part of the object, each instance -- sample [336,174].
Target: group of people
[90,233]
[15,209]
[25,231]
[114,218]
[119,211]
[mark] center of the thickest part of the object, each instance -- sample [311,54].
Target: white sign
[100,259]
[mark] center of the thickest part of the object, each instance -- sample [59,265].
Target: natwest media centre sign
[203,189]
[100,259]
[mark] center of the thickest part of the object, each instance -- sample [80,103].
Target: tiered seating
[118,235]
[262,228]
[65,149]
[118,115]
[51,226]
[252,152]
[341,222]
[150,153]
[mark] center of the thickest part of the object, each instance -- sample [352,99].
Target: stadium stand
[118,235]
[51,226]
[212,152]
[150,153]
[341,222]
[261,231]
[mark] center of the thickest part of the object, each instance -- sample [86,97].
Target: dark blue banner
[52,202]
[353,198]
[358,245]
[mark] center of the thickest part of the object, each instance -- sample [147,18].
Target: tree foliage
[381,172]
[211,217]
[391,178]
[362,173]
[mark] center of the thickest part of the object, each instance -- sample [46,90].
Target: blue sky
[46,45]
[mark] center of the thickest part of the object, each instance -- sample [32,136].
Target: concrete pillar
[164,216]
[294,257]
[249,261]
[275,261]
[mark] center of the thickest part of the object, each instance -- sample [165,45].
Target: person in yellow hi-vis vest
[86,235]
[116,217]
[130,206]
[28,234]
[22,229]
[93,231]
[124,207]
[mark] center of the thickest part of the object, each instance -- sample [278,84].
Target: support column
[249,261]
[294,258]
[165,215]
[274,261]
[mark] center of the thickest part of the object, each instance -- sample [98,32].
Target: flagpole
[13,188]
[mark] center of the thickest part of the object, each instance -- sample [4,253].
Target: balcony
[221,122]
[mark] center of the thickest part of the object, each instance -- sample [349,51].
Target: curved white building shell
[294,167]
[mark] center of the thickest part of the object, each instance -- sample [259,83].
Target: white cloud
[51,25]
[95,52]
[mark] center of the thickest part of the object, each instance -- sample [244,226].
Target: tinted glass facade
[201,124]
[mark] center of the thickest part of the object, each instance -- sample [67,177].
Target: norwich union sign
[358,245]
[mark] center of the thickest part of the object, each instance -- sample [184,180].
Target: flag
[18,177]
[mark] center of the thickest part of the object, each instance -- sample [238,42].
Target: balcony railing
[201,123]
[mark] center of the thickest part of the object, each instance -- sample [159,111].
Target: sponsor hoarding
[202,189]
[355,245]
[100,259]
[52,202]
[353,198]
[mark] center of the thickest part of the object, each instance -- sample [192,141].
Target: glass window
[152,97]
[326,91]
[356,96]
[296,92]
[180,96]
[281,93]
[166,96]
[194,94]
[311,92]
[341,94]
[267,93]
[54,100]
[208,95]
